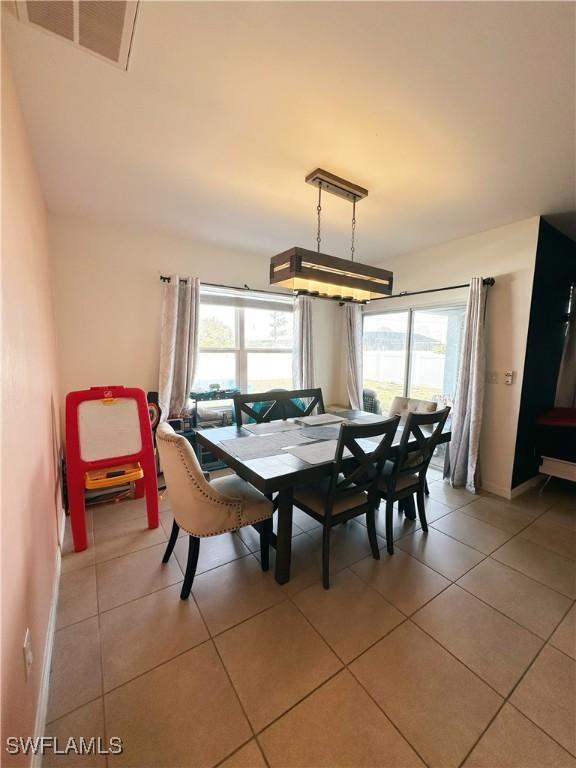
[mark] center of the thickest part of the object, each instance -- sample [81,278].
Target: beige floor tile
[438,705]
[86,722]
[214,551]
[183,713]
[547,695]
[124,536]
[134,575]
[565,636]
[402,580]
[449,557]
[551,536]
[450,497]
[301,521]
[251,538]
[501,515]
[350,615]
[338,725]
[305,565]
[274,660]
[233,592]
[71,560]
[248,756]
[401,525]
[493,646]
[166,520]
[512,741]
[76,676]
[76,596]
[528,602]
[348,544]
[146,632]
[467,529]
[561,515]
[540,564]
[115,514]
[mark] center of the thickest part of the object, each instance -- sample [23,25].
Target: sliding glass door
[413,353]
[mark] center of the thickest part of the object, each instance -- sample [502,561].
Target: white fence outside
[388,366]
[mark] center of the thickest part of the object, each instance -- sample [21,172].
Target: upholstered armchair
[204,508]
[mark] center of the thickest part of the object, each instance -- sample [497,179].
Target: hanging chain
[319,211]
[352,246]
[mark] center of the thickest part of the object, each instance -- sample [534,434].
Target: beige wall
[108,300]
[507,254]
[30,493]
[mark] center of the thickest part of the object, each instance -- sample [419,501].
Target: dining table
[277,474]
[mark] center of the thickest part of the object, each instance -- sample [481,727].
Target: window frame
[240,302]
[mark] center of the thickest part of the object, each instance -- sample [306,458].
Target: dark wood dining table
[281,473]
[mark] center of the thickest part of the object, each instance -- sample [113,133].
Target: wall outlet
[28,655]
[508,377]
[491,377]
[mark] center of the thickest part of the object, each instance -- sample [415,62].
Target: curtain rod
[489,281]
[166,279]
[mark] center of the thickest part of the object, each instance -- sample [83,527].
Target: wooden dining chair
[277,404]
[405,477]
[204,508]
[352,488]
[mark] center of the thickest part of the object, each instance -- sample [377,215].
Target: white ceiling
[458,117]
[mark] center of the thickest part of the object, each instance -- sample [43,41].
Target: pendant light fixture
[314,273]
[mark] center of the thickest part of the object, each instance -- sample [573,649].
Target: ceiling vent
[103,27]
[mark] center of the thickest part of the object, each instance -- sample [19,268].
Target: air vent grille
[103,27]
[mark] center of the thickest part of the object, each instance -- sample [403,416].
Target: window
[245,341]
[413,353]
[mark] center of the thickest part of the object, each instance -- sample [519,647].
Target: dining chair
[203,508]
[352,488]
[405,477]
[278,404]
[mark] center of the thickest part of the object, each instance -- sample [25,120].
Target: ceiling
[458,117]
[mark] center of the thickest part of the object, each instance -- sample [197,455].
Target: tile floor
[460,649]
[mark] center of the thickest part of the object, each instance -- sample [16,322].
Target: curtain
[462,465]
[353,319]
[302,360]
[566,388]
[178,344]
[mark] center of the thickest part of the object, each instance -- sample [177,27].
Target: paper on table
[270,427]
[317,453]
[329,432]
[321,418]
[260,446]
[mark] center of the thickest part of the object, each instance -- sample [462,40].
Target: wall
[554,273]
[508,254]
[30,490]
[108,300]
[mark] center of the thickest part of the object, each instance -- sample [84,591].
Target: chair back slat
[277,404]
[357,467]
[415,460]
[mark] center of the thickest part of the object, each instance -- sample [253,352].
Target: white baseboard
[523,487]
[42,706]
[497,490]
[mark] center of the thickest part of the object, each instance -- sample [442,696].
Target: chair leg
[193,552]
[265,535]
[326,557]
[390,526]
[371,526]
[171,541]
[421,509]
[426,489]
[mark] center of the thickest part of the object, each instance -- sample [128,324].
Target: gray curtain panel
[353,319]
[566,388]
[178,343]
[464,448]
[302,359]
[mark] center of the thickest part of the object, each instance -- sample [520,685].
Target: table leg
[408,507]
[284,536]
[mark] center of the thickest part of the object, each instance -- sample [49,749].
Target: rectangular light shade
[328,276]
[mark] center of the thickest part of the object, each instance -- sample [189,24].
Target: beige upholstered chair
[204,508]
[402,406]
